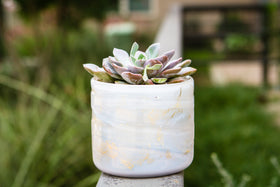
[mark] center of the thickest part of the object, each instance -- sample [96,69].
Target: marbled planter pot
[142,130]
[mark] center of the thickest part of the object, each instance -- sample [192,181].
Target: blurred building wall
[151,20]
[164,5]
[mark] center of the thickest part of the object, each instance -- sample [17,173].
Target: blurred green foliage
[69,13]
[45,137]
[45,140]
[232,22]
[2,47]
[44,113]
[240,43]
[232,122]
[203,56]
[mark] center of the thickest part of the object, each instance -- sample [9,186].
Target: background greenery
[45,116]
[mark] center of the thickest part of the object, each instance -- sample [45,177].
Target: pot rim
[129,86]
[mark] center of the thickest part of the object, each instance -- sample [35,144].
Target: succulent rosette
[140,67]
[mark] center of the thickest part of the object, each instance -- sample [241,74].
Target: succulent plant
[140,67]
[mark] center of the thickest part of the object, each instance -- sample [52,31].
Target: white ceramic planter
[142,130]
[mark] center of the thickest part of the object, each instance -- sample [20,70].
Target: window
[139,5]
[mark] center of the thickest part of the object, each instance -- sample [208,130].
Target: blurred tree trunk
[62,14]
[2,31]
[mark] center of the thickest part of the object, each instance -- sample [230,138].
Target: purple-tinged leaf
[185,63]
[153,67]
[113,60]
[109,69]
[186,71]
[132,78]
[173,63]
[151,71]
[119,69]
[169,54]
[152,62]
[176,80]
[140,63]
[149,82]
[170,72]
[135,69]
[163,59]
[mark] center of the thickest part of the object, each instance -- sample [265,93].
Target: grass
[44,142]
[232,122]
[45,113]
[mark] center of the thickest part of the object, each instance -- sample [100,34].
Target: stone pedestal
[175,180]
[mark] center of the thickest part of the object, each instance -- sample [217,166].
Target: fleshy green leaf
[154,67]
[153,50]
[145,75]
[103,76]
[140,67]
[98,73]
[152,70]
[91,68]
[159,80]
[121,56]
[186,63]
[140,55]
[133,59]
[134,49]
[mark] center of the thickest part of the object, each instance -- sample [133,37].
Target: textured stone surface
[175,180]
